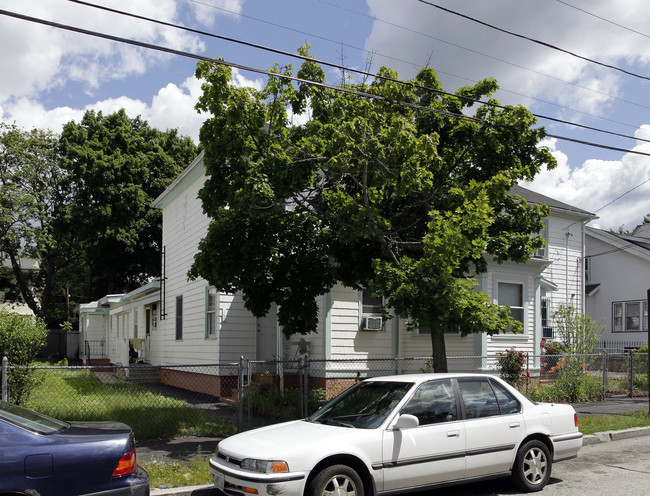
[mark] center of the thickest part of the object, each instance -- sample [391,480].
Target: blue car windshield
[365,405]
[32,421]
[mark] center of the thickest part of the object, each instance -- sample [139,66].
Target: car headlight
[264,466]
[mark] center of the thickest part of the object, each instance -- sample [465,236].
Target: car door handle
[515,425]
[453,433]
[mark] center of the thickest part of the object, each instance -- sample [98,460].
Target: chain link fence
[219,399]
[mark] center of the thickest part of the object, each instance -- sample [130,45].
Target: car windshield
[365,405]
[29,420]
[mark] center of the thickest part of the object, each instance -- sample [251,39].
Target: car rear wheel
[532,468]
[337,480]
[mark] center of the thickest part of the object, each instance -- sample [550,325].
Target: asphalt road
[619,468]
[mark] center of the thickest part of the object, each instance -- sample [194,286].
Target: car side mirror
[406,421]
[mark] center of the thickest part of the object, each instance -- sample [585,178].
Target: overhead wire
[427,35]
[533,40]
[281,75]
[336,66]
[609,21]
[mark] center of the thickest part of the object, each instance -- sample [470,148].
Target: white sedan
[397,434]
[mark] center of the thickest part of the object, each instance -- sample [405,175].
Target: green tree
[399,193]
[21,338]
[578,333]
[30,193]
[116,166]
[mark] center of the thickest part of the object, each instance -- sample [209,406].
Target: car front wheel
[532,468]
[337,480]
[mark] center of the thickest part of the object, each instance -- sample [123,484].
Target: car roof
[419,378]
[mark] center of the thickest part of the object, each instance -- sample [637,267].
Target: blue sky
[49,77]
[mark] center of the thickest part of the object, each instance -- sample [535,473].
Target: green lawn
[591,425]
[79,395]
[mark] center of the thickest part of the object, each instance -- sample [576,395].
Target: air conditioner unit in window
[372,323]
[540,252]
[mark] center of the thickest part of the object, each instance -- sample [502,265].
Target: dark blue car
[41,455]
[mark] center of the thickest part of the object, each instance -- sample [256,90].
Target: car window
[32,421]
[507,402]
[478,398]
[433,402]
[365,405]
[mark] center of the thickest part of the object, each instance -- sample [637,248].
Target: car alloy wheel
[337,480]
[532,468]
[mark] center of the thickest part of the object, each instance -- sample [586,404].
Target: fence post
[249,383]
[630,373]
[604,373]
[305,388]
[5,379]
[527,372]
[240,393]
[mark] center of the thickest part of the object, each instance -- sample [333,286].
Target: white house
[618,279]
[109,326]
[198,325]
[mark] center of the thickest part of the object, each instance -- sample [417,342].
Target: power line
[234,65]
[533,40]
[280,75]
[564,81]
[603,19]
[336,66]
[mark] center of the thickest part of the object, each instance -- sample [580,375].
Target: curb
[608,436]
[591,439]
[208,490]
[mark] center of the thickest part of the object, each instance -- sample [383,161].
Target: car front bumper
[236,482]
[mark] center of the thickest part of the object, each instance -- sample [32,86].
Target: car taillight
[575,417]
[126,465]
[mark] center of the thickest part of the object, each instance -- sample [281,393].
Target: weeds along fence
[174,400]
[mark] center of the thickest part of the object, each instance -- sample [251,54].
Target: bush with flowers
[572,383]
[511,366]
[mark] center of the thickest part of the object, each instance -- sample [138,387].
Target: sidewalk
[187,448]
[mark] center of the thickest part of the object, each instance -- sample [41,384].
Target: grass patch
[78,395]
[591,425]
[164,472]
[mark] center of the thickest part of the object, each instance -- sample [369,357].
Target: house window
[588,269]
[630,316]
[370,305]
[135,323]
[547,330]
[179,318]
[370,312]
[543,251]
[211,313]
[512,294]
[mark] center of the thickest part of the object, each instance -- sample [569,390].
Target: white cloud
[37,57]
[172,107]
[616,191]
[460,47]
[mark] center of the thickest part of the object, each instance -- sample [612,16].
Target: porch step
[143,374]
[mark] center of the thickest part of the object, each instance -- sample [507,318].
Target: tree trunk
[25,290]
[438,350]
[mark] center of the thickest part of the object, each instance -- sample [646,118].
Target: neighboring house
[108,326]
[27,265]
[198,325]
[617,284]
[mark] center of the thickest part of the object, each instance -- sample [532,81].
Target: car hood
[295,441]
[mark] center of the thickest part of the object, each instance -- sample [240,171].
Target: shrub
[572,384]
[511,365]
[21,338]
[552,348]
